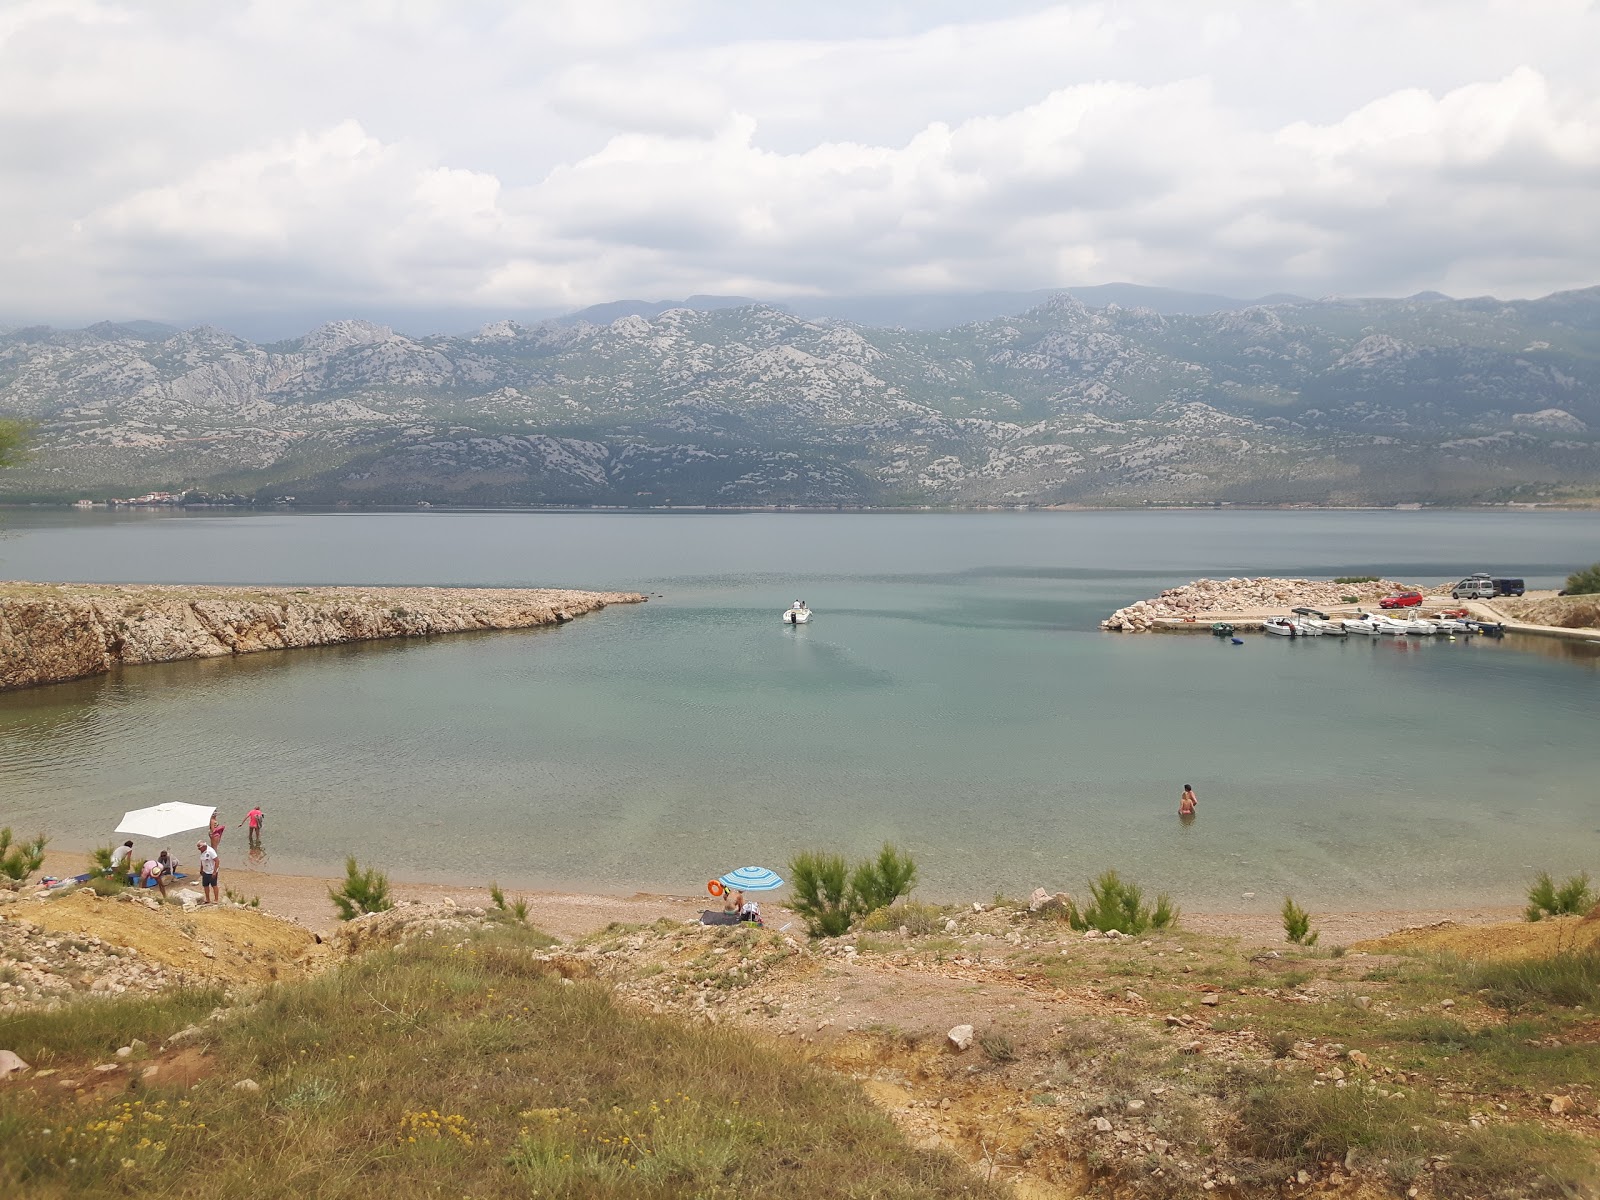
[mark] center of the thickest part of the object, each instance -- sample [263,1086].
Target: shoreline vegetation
[52,632]
[593,1046]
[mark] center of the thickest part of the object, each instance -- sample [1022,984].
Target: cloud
[385,154]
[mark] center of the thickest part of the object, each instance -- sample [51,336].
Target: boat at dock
[1366,624]
[1320,622]
[1292,627]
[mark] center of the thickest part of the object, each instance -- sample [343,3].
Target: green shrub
[1545,899]
[1355,579]
[497,896]
[363,891]
[1118,904]
[822,894]
[997,1046]
[918,918]
[519,909]
[100,860]
[1297,924]
[19,860]
[1585,582]
[238,898]
[878,883]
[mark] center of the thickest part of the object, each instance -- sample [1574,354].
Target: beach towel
[712,916]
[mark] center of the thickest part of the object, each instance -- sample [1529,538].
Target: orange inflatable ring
[715,887]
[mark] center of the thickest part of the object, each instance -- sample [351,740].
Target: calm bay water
[952,695]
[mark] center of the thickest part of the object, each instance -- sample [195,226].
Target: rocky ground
[1213,599]
[1565,612]
[1054,1060]
[54,632]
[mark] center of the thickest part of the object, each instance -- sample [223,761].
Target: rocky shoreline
[50,633]
[1208,599]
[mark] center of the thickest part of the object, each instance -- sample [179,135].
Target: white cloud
[386,153]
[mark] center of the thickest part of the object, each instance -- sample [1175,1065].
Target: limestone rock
[1560,1105]
[247,1085]
[54,632]
[11,1064]
[959,1038]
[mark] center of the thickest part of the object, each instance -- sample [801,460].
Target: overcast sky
[201,157]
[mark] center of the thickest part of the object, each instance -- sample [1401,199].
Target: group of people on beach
[156,871]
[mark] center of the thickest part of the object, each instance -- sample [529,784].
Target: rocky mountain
[1329,401]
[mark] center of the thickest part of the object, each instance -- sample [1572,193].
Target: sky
[197,159]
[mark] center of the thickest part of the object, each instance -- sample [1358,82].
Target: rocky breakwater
[54,632]
[1217,599]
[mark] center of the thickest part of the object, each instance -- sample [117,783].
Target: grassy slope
[438,1069]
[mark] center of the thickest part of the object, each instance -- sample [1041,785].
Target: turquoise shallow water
[952,694]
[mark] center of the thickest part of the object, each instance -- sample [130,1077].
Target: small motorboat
[1451,625]
[1488,628]
[1289,627]
[1366,624]
[1222,629]
[1320,622]
[797,613]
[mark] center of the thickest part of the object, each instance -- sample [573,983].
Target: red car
[1403,600]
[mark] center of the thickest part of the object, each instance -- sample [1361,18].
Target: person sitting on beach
[1188,803]
[154,870]
[732,901]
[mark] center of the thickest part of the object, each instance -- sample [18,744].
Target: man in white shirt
[122,859]
[208,871]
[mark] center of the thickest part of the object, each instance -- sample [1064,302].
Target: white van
[1479,587]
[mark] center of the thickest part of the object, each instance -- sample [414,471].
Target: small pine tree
[822,895]
[878,883]
[1115,903]
[1297,924]
[20,859]
[363,891]
[100,860]
[519,909]
[1545,899]
[497,896]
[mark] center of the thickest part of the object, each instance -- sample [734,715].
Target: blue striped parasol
[753,879]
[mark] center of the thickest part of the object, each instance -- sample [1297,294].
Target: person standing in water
[1188,803]
[254,819]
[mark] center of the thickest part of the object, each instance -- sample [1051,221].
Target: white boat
[1312,619]
[797,613]
[1366,624]
[1402,626]
[1450,625]
[1289,627]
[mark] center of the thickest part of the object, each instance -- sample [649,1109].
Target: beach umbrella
[164,820]
[753,879]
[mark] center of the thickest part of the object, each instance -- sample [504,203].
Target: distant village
[189,499]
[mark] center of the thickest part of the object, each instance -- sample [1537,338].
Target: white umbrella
[164,820]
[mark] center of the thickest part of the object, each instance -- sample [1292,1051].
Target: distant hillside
[1328,401]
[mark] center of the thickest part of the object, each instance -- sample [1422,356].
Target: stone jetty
[55,632]
[1207,600]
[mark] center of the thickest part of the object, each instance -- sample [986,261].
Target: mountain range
[1175,398]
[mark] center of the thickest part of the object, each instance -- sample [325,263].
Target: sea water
[952,695]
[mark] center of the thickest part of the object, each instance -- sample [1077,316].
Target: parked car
[1404,600]
[1509,587]
[1478,587]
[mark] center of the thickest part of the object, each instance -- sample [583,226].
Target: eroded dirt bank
[54,632]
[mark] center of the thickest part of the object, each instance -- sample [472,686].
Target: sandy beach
[569,915]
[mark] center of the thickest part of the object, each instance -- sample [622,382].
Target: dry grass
[468,1069]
